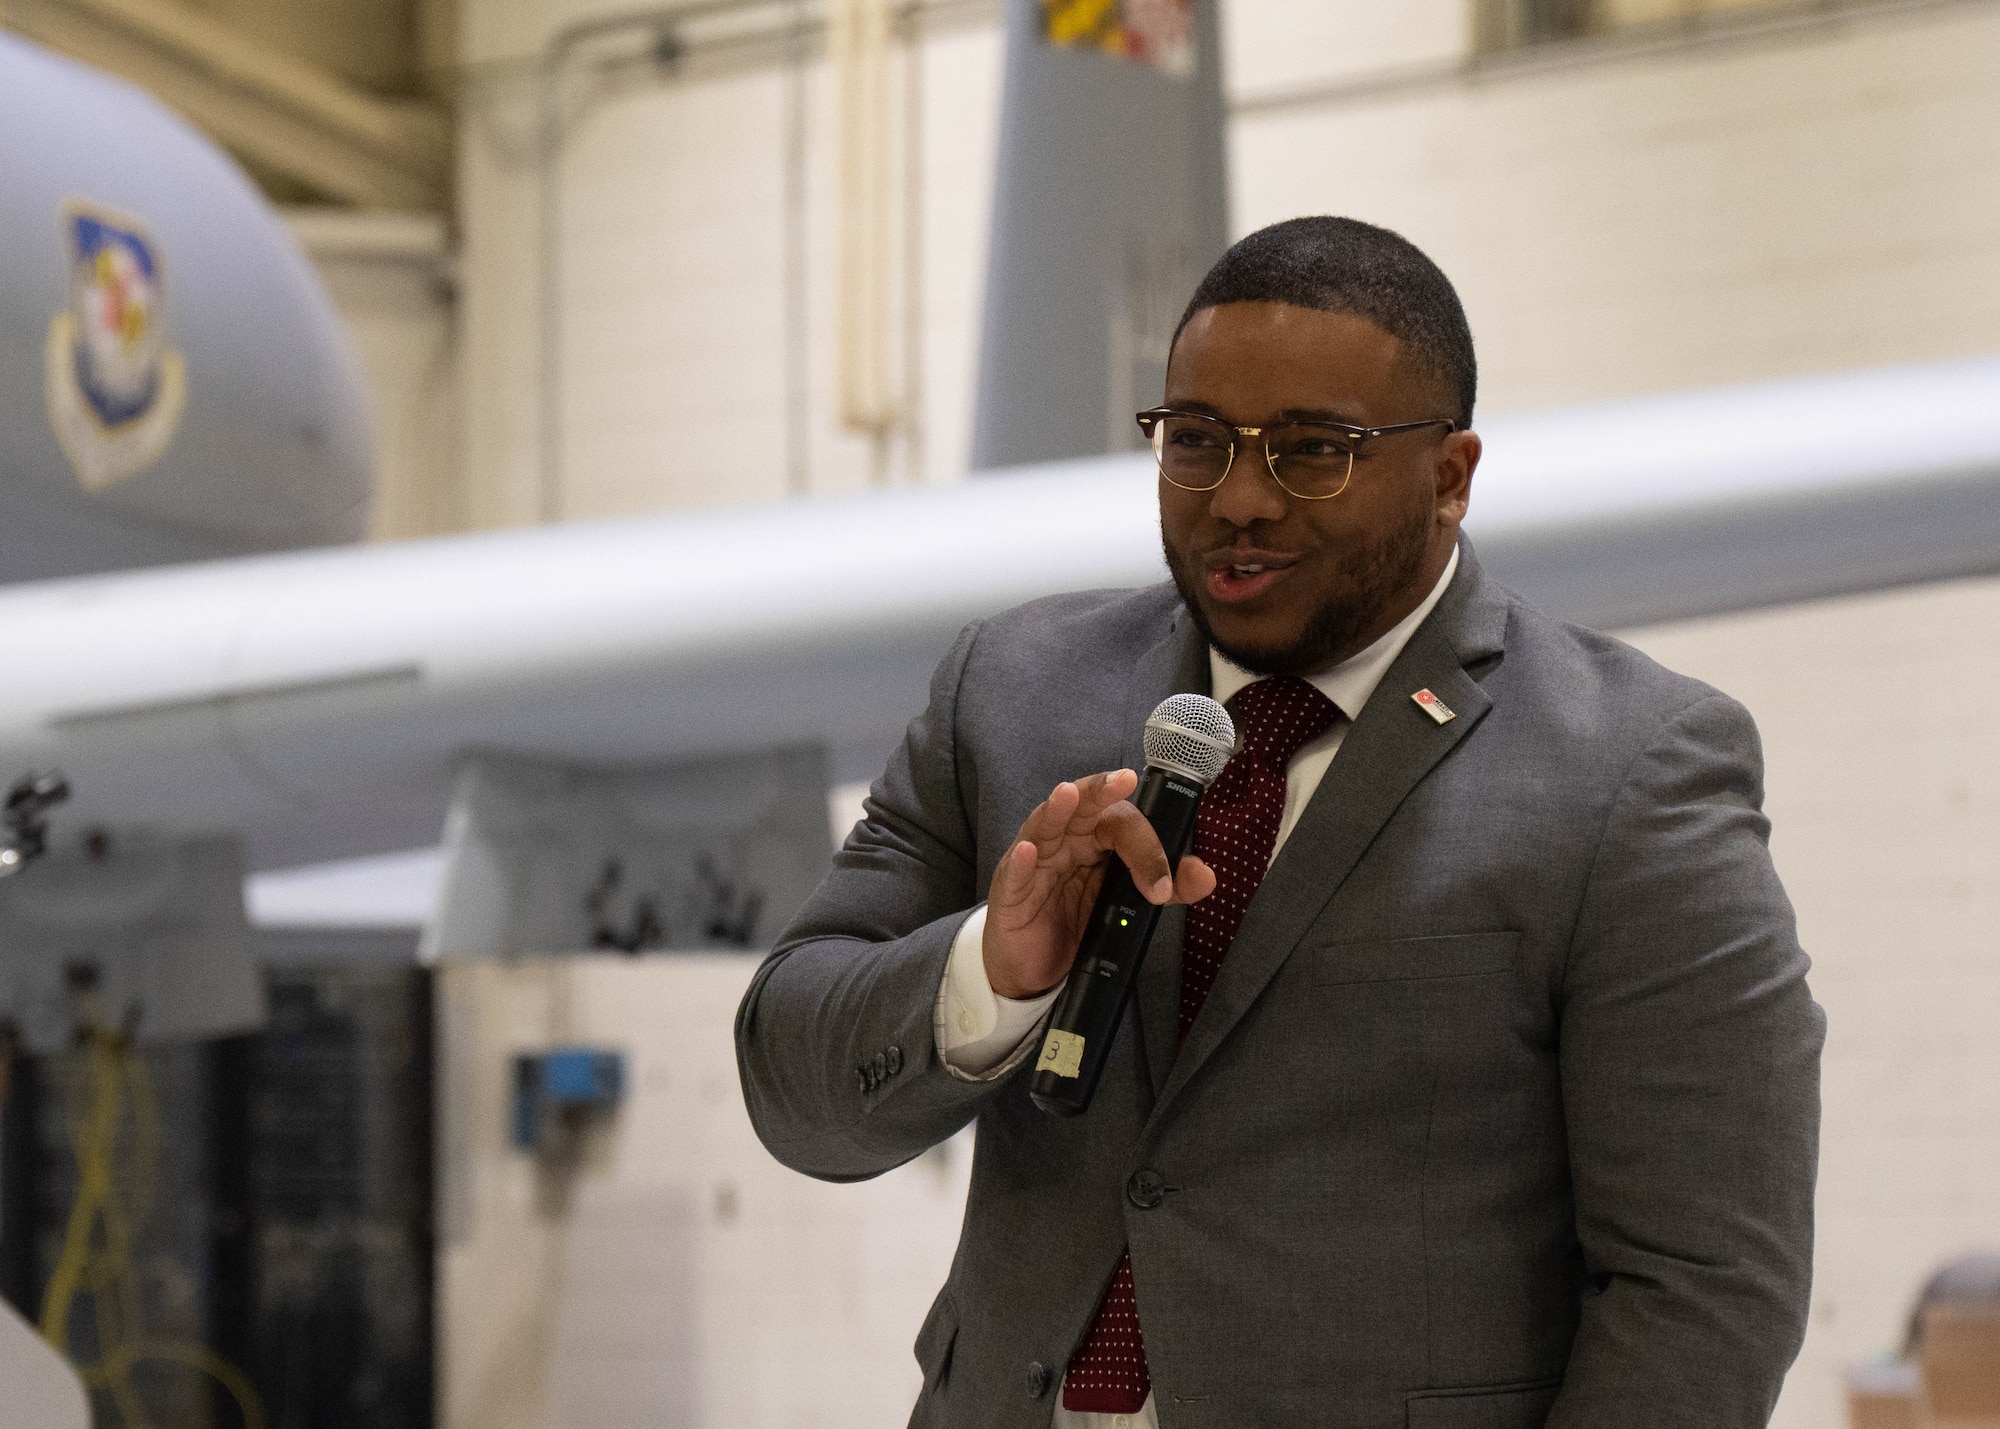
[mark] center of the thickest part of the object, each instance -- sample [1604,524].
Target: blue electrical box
[557,1090]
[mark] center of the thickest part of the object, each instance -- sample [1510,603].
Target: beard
[1365,579]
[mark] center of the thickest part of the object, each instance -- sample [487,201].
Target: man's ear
[1458,455]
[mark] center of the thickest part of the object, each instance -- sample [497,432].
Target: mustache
[1364,580]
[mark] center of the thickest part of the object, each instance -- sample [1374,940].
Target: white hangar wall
[1622,219]
[390,277]
[674,1275]
[672,281]
[1621,216]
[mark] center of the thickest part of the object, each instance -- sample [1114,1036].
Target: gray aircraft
[317,705]
[174,382]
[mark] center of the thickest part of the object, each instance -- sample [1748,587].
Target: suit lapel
[1178,664]
[1389,750]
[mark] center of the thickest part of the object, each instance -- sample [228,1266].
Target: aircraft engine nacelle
[174,381]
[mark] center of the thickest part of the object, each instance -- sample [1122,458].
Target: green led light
[1124,922]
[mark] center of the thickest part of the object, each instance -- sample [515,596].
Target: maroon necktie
[1234,832]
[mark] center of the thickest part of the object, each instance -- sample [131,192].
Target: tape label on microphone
[1062,1053]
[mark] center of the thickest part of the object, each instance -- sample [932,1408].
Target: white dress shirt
[982,1036]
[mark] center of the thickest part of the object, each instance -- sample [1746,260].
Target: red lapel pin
[1436,708]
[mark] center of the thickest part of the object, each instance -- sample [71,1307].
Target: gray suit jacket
[1502,1112]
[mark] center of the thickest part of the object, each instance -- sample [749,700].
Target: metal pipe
[796,36]
[1539,58]
[798,376]
[913,247]
[552,68]
[860,47]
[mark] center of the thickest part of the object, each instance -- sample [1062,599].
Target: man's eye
[1324,447]
[1193,439]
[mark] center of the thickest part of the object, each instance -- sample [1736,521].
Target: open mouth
[1233,581]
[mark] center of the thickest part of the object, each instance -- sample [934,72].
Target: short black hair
[1342,265]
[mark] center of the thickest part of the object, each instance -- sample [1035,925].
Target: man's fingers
[1124,830]
[1051,817]
[1072,800]
[1012,878]
[1193,880]
[1099,792]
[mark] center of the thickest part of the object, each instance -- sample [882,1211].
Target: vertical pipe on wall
[551,74]
[860,35]
[798,392]
[913,244]
[876,397]
[548,315]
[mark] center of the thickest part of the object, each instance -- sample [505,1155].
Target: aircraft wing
[319,702]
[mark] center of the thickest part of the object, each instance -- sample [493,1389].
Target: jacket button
[1039,1379]
[879,1068]
[894,1057]
[1146,1189]
[867,1083]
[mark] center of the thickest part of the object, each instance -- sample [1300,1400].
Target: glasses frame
[1150,419]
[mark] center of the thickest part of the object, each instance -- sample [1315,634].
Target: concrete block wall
[676,1275]
[672,276]
[390,278]
[1630,220]
[1801,200]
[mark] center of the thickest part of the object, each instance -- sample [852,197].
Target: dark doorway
[291,1229]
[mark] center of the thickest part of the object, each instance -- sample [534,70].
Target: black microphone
[1188,740]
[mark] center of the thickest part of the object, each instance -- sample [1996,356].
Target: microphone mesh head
[1191,735]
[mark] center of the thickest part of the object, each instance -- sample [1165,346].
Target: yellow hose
[92,1144]
[198,1357]
[96,1256]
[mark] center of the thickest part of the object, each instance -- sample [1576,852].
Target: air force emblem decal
[114,388]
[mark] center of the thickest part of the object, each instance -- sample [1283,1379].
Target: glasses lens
[1310,461]
[1193,452]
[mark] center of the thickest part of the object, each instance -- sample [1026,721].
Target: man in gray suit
[1472,1080]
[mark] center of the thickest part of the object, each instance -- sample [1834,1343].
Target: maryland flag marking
[1159,33]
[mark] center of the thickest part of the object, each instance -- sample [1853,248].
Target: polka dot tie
[1108,1375]
[1236,826]
[1235,831]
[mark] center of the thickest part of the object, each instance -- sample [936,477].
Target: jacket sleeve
[834,1039]
[1690,1065]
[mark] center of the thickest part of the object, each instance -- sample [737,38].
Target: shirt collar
[1353,680]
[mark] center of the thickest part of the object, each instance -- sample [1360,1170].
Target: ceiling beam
[272,110]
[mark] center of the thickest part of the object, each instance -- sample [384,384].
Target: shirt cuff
[982,1036]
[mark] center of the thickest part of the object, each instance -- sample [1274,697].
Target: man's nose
[1249,493]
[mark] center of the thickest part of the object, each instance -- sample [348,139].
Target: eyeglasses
[1310,460]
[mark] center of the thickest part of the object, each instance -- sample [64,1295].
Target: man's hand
[1047,882]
